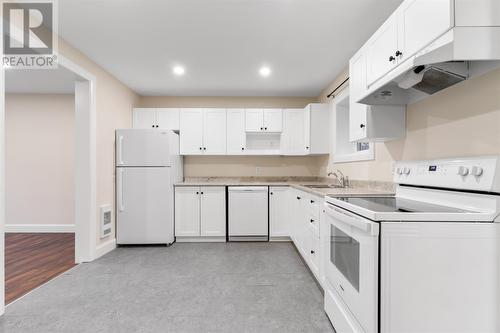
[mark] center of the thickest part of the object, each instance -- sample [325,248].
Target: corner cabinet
[306,131]
[200,212]
[371,123]
[203,132]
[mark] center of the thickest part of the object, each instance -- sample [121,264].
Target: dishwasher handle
[248,189]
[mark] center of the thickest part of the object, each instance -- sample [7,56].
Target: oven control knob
[399,171]
[477,171]
[463,171]
[406,171]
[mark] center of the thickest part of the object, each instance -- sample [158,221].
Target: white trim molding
[104,248]
[40,228]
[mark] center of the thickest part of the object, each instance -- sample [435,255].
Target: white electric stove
[424,260]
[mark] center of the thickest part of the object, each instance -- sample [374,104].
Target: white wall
[40,155]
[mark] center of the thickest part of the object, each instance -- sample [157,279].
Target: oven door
[352,263]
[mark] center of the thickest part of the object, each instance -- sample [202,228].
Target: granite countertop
[357,188]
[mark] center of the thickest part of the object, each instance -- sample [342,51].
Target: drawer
[313,205]
[313,223]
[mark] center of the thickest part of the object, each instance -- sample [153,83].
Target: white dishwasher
[248,213]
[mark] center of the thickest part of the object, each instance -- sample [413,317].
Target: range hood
[459,54]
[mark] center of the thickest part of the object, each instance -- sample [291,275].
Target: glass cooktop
[398,205]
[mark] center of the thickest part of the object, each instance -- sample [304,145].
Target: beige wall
[245,166]
[463,120]
[40,159]
[114,103]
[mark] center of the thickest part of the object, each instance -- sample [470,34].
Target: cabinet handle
[307,147]
[271,193]
[197,192]
[201,192]
[298,198]
[156,126]
[399,53]
[361,125]
[201,148]
[312,201]
[153,126]
[391,58]
[265,128]
[312,252]
[312,220]
[242,148]
[204,148]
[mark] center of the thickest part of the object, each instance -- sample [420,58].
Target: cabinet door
[191,131]
[144,118]
[254,120]
[236,136]
[187,211]
[382,49]
[167,118]
[214,131]
[415,33]
[357,86]
[213,211]
[278,212]
[293,139]
[273,120]
[314,255]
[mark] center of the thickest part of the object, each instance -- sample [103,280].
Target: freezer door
[144,205]
[143,147]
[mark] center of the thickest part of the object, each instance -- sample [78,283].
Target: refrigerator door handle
[119,190]
[120,149]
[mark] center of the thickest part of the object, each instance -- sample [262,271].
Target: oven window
[344,254]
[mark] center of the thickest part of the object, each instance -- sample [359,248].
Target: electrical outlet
[257,171]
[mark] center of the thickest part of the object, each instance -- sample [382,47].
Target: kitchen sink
[323,186]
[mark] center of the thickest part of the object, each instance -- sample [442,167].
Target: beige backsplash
[252,166]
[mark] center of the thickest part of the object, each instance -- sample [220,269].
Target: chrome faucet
[343,180]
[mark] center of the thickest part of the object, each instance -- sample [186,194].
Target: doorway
[84,196]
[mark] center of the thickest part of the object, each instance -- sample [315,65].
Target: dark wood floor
[31,259]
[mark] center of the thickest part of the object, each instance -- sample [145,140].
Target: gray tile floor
[197,287]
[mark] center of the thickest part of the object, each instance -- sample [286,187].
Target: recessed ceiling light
[179,70]
[265,71]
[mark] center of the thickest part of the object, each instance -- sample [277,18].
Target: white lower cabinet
[279,212]
[305,210]
[200,213]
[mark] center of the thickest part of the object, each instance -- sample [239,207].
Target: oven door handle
[348,218]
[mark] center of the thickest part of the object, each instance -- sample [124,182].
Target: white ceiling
[222,43]
[36,81]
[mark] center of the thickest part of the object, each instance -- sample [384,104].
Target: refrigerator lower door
[144,205]
[144,147]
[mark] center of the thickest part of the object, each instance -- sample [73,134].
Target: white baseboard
[39,228]
[105,247]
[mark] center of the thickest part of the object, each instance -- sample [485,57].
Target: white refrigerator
[148,165]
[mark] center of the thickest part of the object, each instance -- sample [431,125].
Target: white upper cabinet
[382,49]
[306,131]
[414,25]
[357,86]
[214,131]
[163,118]
[167,118]
[254,120]
[144,118]
[264,120]
[236,136]
[203,132]
[420,22]
[273,120]
[191,132]
[293,139]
